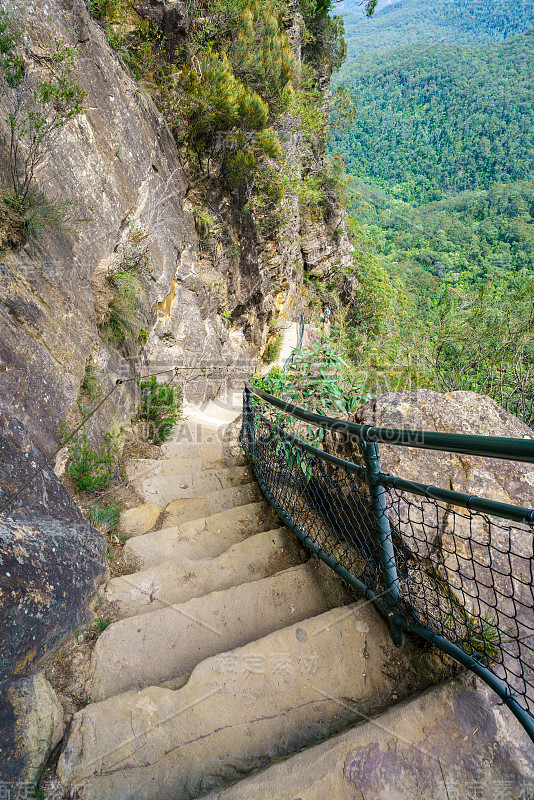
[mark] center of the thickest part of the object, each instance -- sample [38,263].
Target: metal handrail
[391,602]
[469,501]
[466,444]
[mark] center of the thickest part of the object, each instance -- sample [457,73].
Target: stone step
[411,752]
[179,511]
[168,643]
[139,520]
[243,709]
[189,446]
[203,428]
[200,428]
[221,411]
[175,581]
[140,468]
[205,537]
[162,489]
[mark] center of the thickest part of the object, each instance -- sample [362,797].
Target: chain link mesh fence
[462,574]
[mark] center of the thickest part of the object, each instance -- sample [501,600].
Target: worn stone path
[233,648]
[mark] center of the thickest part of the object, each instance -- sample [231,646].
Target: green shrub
[36,111]
[94,470]
[215,102]
[272,351]
[319,380]
[260,52]
[91,382]
[105,9]
[160,408]
[123,315]
[204,224]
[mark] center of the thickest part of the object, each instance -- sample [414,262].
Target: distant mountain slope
[482,235]
[426,21]
[435,120]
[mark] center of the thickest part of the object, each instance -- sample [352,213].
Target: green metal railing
[453,568]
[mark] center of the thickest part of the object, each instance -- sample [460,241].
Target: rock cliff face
[119,164]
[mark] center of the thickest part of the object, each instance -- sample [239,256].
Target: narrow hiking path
[230,647]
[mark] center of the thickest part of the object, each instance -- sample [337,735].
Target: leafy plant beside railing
[160,408]
[319,380]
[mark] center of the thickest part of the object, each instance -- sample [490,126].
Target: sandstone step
[139,520]
[175,581]
[140,468]
[205,537]
[183,446]
[201,428]
[152,648]
[162,489]
[243,709]
[179,511]
[411,752]
[221,411]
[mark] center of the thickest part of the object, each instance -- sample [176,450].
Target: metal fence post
[390,577]
[248,420]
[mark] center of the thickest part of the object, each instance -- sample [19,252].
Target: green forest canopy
[454,21]
[436,120]
[441,155]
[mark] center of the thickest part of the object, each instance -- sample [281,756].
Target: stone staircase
[233,648]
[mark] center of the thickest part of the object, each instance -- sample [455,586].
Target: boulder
[452,742]
[32,725]
[455,412]
[467,575]
[51,559]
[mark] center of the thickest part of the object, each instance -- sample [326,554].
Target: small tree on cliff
[37,106]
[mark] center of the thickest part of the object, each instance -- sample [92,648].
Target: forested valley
[437,140]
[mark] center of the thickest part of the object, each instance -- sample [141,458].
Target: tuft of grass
[479,635]
[123,318]
[483,638]
[91,381]
[38,216]
[204,224]
[102,624]
[105,518]
[142,336]
[160,408]
[272,351]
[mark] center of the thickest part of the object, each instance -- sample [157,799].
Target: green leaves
[123,317]
[160,408]
[483,341]
[37,107]
[94,469]
[319,380]
[437,120]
